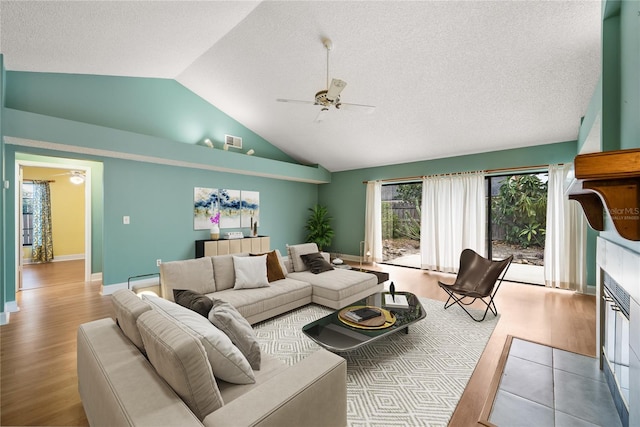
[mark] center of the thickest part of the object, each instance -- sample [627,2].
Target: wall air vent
[233,141]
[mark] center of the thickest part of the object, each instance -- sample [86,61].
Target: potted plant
[318,227]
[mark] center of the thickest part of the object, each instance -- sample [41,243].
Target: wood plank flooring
[38,381]
[54,272]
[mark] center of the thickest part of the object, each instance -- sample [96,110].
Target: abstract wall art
[238,209]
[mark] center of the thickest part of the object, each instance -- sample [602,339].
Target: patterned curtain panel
[42,249]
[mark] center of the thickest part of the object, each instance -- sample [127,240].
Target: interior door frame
[87,213]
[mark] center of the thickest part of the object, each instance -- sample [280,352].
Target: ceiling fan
[330,97]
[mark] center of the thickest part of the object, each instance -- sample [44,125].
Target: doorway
[78,258]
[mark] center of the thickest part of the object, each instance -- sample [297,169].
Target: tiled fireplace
[619,326]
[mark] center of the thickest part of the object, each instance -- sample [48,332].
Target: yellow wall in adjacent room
[67,211]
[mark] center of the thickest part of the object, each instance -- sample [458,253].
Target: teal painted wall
[156,107]
[621,31]
[611,83]
[3,268]
[158,198]
[345,195]
[630,74]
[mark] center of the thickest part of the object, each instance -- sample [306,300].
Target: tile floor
[543,386]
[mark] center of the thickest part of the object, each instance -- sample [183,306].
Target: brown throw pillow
[199,303]
[316,263]
[274,271]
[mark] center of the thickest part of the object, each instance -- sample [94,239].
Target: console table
[259,244]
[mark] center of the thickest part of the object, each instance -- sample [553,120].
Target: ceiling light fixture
[76,177]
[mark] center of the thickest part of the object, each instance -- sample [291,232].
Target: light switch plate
[126,219]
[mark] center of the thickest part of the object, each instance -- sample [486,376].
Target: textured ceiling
[447,77]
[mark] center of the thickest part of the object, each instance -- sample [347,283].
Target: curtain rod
[488,171]
[34,180]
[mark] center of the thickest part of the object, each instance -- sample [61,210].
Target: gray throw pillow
[316,263]
[195,301]
[225,317]
[181,360]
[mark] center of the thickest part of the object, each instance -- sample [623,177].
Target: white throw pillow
[251,272]
[227,362]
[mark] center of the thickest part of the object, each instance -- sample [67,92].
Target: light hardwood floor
[38,381]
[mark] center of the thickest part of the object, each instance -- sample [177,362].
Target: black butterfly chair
[476,279]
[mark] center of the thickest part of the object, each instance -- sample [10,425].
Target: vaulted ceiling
[447,77]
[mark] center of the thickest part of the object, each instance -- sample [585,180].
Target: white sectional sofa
[159,364]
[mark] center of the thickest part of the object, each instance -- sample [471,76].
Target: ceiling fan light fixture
[322,99]
[329,97]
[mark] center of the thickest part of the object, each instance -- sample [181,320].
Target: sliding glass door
[517,221]
[401,205]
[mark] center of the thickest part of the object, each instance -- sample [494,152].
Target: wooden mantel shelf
[609,180]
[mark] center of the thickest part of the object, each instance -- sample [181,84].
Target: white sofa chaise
[147,369]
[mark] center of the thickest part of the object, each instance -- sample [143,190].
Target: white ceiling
[447,77]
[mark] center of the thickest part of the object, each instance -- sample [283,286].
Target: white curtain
[453,219]
[565,241]
[373,221]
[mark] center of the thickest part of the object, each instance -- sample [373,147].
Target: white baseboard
[11,307]
[57,258]
[110,289]
[96,277]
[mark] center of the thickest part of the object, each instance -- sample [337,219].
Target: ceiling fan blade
[354,107]
[335,88]
[295,101]
[322,115]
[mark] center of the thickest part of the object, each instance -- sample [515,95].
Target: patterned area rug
[413,379]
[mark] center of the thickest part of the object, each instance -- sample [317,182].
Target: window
[27,214]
